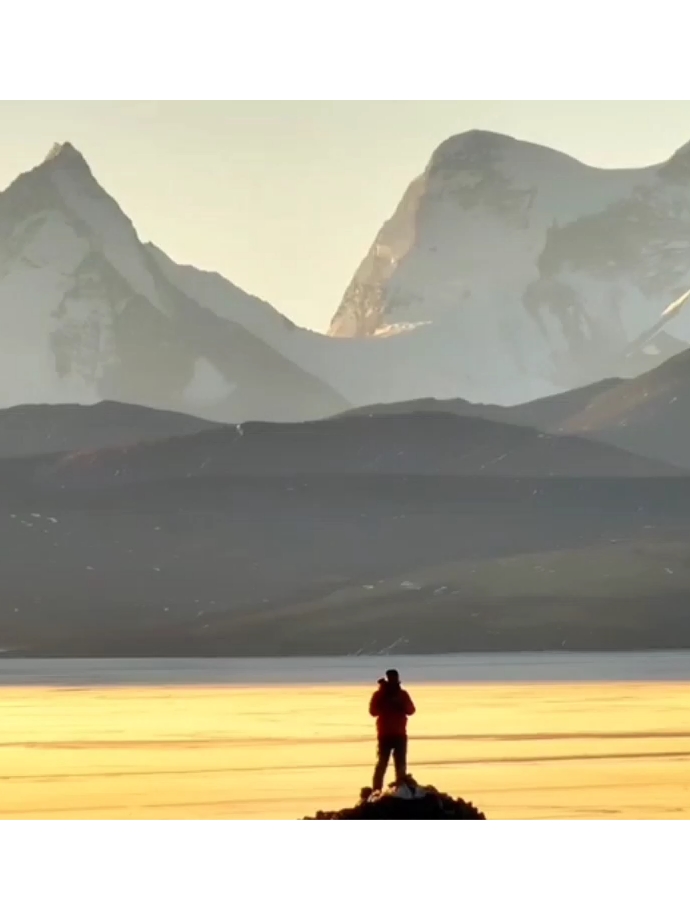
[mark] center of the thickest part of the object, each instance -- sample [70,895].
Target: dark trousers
[387,745]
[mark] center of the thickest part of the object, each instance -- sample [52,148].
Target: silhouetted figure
[391,705]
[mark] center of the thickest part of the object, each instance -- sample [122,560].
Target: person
[391,706]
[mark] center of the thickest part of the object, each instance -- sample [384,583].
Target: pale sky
[285,198]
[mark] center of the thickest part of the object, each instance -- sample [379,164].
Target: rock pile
[407,802]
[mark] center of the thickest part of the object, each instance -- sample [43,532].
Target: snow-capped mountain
[362,370]
[516,271]
[89,313]
[508,273]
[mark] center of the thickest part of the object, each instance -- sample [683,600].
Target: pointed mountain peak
[63,159]
[65,154]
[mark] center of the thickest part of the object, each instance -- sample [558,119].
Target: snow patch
[208,386]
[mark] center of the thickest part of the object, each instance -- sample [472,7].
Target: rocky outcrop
[408,802]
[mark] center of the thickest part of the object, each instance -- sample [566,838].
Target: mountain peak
[475,143]
[65,153]
[478,137]
[478,149]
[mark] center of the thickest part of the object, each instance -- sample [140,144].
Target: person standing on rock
[391,706]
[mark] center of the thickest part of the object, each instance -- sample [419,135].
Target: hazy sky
[285,198]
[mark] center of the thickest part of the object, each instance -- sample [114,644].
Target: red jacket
[391,706]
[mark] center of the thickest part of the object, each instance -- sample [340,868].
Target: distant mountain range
[509,272]
[646,415]
[547,438]
[644,418]
[490,451]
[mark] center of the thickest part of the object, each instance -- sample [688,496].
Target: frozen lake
[522,736]
[523,668]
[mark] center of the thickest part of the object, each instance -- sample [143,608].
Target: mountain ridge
[112,317]
[645,415]
[508,249]
[34,430]
[414,445]
[89,314]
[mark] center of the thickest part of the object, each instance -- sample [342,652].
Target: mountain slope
[547,414]
[426,444]
[32,430]
[522,272]
[88,314]
[241,565]
[648,415]
[363,371]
